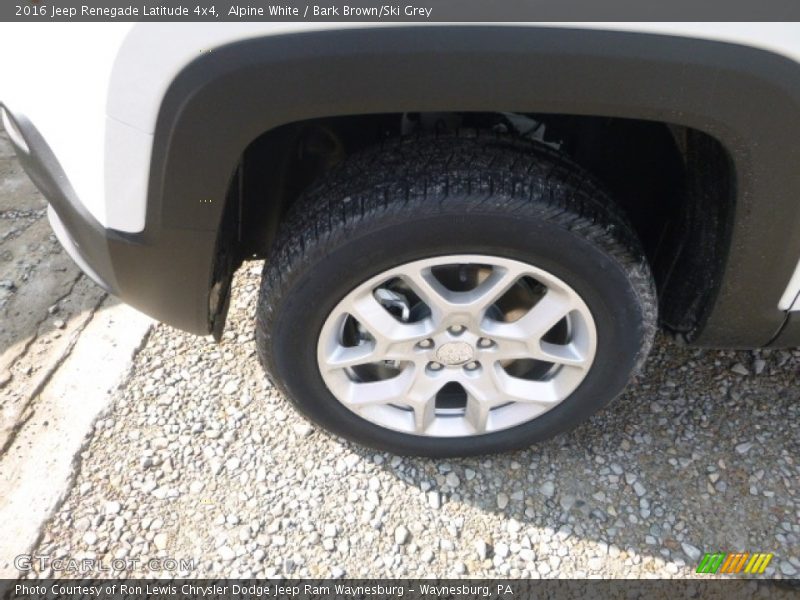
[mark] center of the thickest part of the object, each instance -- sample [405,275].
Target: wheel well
[676,185]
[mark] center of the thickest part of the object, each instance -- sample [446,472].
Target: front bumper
[164,272]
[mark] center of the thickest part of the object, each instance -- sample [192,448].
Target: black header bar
[418,11]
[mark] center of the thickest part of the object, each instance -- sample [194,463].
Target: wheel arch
[743,97]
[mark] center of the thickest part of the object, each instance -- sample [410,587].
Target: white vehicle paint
[93,90]
[791,297]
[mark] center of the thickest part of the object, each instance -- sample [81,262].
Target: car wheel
[454,295]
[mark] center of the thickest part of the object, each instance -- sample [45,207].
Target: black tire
[468,193]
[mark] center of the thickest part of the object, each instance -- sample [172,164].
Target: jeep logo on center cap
[455,353]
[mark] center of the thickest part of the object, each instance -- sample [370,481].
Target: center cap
[455,353]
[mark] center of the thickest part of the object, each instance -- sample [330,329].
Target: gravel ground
[201,458]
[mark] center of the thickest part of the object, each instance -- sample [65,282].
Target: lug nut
[456,329]
[435,366]
[426,343]
[485,343]
[471,366]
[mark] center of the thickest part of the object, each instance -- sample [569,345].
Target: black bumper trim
[163,273]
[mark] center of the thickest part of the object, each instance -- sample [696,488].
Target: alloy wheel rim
[457,345]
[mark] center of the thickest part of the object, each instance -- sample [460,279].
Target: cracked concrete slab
[44,344]
[38,466]
[64,346]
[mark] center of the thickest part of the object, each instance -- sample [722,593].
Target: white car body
[94,92]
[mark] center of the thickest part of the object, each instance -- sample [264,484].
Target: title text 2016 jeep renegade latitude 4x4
[471,232]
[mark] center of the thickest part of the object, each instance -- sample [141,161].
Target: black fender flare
[746,98]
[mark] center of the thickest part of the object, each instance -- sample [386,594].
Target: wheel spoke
[431,291]
[491,289]
[424,415]
[386,391]
[343,357]
[508,350]
[481,393]
[477,413]
[381,324]
[534,324]
[561,354]
[546,313]
[422,398]
[524,390]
